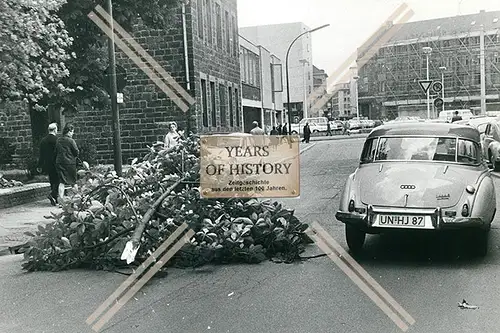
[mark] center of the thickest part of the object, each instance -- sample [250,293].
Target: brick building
[208,51]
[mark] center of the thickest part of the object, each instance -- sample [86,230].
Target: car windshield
[421,149]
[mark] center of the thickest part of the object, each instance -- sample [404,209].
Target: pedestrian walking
[274,131]
[172,138]
[256,130]
[328,129]
[47,162]
[307,133]
[284,130]
[66,155]
[279,129]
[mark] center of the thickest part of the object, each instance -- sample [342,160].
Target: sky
[351,21]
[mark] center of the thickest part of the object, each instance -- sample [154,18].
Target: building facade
[464,56]
[200,50]
[300,62]
[341,101]
[261,86]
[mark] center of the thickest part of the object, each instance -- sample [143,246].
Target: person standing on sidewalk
[47,161]
[256,130]
[328,129]
[66,154]
[307,133]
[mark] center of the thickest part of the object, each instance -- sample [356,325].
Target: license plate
[411,221]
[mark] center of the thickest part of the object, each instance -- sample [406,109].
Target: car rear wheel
[355,239]
[480,242]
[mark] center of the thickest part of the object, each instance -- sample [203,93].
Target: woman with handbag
[66,156]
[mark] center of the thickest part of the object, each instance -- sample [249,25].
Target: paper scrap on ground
[465,305]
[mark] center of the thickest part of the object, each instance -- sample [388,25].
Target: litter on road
[465,305]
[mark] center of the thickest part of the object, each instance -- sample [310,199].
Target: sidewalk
[338,137]
[15,221]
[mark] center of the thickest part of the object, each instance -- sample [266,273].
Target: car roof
[426,128]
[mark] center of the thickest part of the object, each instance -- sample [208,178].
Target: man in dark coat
[47,161]
[456,117]
[307,133]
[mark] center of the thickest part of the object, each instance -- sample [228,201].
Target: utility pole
[482,71]
[117,148]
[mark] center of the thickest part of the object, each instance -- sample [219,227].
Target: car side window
[368,153]
[468,152]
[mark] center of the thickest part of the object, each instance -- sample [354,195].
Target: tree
[90,43]
[33,51]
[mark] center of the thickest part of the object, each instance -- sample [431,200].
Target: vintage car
[419,176]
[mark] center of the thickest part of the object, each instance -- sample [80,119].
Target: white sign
[119,98]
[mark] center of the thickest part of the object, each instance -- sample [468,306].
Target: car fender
[484,205]
[347,192]
[494,148]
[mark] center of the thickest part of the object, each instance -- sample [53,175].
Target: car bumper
[365,221]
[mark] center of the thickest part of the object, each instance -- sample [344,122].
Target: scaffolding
[389,82]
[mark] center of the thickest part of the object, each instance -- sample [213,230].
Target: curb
[340,137]
[307,148]
[14,196]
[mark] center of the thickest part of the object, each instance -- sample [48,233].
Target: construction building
[461,52]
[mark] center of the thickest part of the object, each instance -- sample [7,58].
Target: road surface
[426,276]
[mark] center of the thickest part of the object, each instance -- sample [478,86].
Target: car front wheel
[355,239]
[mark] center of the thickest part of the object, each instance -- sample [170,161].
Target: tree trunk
[39,124]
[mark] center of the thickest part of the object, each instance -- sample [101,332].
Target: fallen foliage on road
[148,203]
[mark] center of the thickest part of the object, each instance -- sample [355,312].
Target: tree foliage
[106,212]
[90,43]
[51,53]
[34,49]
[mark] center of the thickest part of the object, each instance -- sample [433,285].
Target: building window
[231,110]
[218,19]
[204,102]
[222,105]
[214,106]
[199,8]
[235,37]
[228,32]
[208,14]
[237,106]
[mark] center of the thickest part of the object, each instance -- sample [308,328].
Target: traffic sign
[437,86]
[425,84]
[438,102]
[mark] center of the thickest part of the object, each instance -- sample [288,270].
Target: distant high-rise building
[277,38]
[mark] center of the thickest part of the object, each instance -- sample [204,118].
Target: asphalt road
[427,276]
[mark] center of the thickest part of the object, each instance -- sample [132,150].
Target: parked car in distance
[419,176]
[490,143]
[316,124]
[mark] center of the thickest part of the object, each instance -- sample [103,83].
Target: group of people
[58,159]
[280,130]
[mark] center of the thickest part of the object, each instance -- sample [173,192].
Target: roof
[447,26]
[425,128]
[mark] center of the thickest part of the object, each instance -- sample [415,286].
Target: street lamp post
[287,76]
[427,51]
[354,88]
[442,68]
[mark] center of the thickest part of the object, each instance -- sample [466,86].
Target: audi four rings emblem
[408,187]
